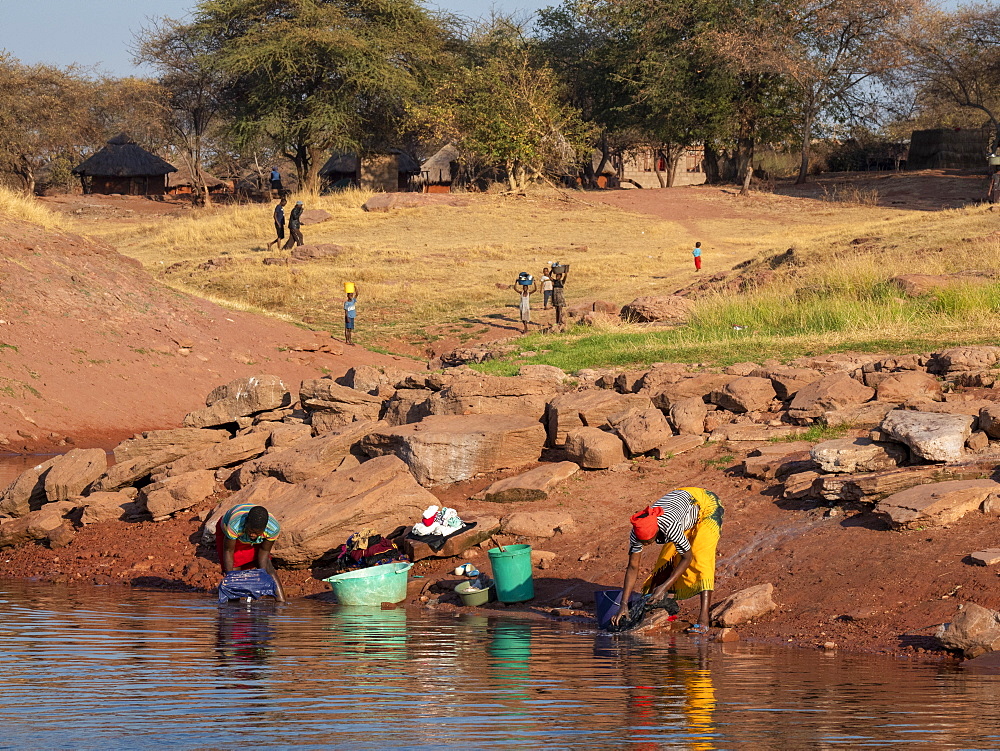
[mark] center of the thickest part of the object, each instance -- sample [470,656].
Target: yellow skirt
[704,538]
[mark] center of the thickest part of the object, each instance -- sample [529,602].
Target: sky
[98,33]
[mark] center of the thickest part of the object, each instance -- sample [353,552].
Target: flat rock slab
[590,408]
[240,398]
[931,436]
[382,202]
[314,216]
[852,455]
[935,505]
[772,465]
[486,527]
[873,486]
[178,440]
[988,557]
[538,524]
[445,449]
[677,444]
[533,485]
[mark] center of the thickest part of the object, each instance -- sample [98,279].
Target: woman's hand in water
[620,615]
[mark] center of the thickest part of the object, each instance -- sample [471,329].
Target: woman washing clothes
[687,522]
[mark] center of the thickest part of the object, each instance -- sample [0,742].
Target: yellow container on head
[348,287]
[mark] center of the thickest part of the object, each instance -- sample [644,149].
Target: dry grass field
[439,275]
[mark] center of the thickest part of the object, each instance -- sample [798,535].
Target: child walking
[525,290]
[697,256]
[350,312]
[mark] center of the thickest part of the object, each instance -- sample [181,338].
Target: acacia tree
[316,75]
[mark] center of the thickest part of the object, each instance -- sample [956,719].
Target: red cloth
[645,524]
[697,262]
[244,556]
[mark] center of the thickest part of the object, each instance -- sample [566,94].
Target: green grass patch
[815,434]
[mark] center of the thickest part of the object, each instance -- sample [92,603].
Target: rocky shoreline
[912,473]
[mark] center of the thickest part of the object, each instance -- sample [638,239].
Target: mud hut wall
[143,185]
[640,166]
[943,148]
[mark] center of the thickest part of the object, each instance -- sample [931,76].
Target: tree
[315,75]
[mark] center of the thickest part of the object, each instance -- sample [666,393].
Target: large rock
[931,436]
[866,416]
[688,415]
[372,380]
[318,515]
[408,405]
[314,216]
[310,458]
[178,493]
[36,525]
[179,441]
[658,309]
[533,485]
[105,507]
[937,504]
[873,486]
[129,472]
[493,395]
[344,404]
[283,435]
[677,444]
[964,358]
[975,630]
[700,385]
[27,492]
[746,394]
[540,524]
[831,392]
[989,420]
[234,451]
[391,201]
[593,448]
[778,460]
[445,449]
[240,398]
[641,430]
[590,408]
[851,455]
[787,381]
[546,373]
[910,384]
[743,606]
[74,471]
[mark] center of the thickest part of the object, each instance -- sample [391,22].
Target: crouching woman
[244,537]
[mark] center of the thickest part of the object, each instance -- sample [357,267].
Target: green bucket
[371,586]
[512,573]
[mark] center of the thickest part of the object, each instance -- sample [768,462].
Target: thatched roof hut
[943,148]
[123,166]
[390,172]
[182,181]
[442,167]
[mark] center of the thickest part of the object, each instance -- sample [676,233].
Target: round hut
[123,166]
[440,171]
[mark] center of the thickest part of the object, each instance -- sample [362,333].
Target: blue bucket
[607,602]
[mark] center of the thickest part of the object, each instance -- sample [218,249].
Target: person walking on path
[294,226]
[697,256]
[546,289]
[687,522]
[558,291]
[525,291]
[276,181]
[244,537]
[350,313]
[279,223]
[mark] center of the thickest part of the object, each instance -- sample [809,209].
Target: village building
[123,166]
[392,172]
[182,182]
[439,172]
[643,166]
[949,148]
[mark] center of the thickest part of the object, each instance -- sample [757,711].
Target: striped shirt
[234,521]
[680,513]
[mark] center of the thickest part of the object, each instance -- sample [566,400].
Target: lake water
[109,668]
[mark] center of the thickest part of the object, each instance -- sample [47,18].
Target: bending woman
[244,537]
[687,522]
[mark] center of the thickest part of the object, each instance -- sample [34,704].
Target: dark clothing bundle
[364,549]
[436,542]
[639,610]
[253,583]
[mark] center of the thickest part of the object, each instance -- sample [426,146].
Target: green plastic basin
[370,587]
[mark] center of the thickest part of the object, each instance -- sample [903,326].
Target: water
[107,668]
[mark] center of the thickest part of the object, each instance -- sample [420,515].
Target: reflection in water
[112,668]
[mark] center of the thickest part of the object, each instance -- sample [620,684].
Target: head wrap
[644,523]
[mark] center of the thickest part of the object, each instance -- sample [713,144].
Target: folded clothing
[253,583]
[445,522]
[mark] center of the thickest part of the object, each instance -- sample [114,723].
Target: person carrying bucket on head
[350,311]
[687,522]
[244,537]
[525,286]
[558,274]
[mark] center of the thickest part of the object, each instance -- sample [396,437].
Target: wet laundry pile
[437,525]
[250,584]
[640,610]
[368,548]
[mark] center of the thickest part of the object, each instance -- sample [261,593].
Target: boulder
[700,385]
[318,515]
[799,485]
[486,527]
[27,492]
[178,493]
[408,405]
[583,309]
[852,455]
[545,373]
[975,630]
[587,409]
[778,460]
[178,440]
[641,430]
[787,381]
[910,384]
[677,444]
[873,486]
[345,404]
[688,415]
[283,435]
[661,375]
[989,420]
[593,448]
[36,525]
[316,251]
[978,442]
[240,398]
[73,472]
[493,395]
[743,606]
[106,507]
[935,505]
[370,379]
[744,394]
[867,416]
[933,437]
[964,358]
[234,451]
[444,449]
[310,458]
[740,368]
[538,524]
[314,216]
[533,485]
[831,392]
[658,309]
[988,557]
[134,470]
